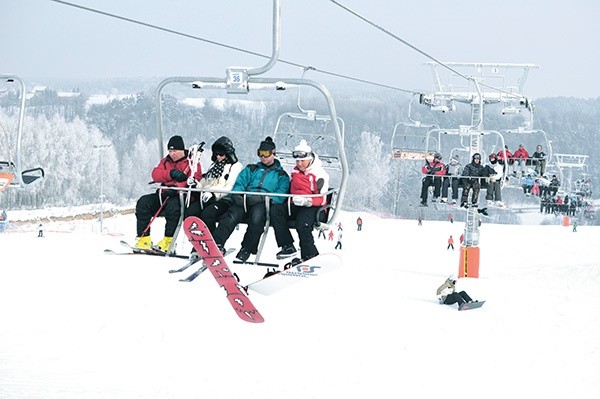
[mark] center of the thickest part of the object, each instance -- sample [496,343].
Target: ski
[192,261]
[148,251]
[207,249]
[195,259]
[266,264]
[193,276]
[157,253]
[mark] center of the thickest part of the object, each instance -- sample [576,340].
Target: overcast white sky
[44,39]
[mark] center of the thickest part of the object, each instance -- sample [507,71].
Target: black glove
[178,175]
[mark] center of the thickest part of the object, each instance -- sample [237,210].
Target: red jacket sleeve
[162,172]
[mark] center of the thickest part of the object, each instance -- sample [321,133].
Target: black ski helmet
[223,145]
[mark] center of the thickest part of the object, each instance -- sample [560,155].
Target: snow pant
[257,217]
[494,191]
[450,182]
[520,164]
[436,182]
[338,245]
[210,212]
[457,297]
[147,206]
[469,184]
[540,166]
[304,220]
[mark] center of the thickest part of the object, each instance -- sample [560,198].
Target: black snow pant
[257,217]
[457,297]
[469,184]
[494,191]
[453,183]
[304,220]
[436,182]
[210,213]
[146,208]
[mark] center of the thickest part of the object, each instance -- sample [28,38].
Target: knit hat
[267,145]
[176,143]
[302,151]
[454,159]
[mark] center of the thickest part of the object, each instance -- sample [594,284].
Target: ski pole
[155,215]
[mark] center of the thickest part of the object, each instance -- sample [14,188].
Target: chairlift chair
[317,130]
[241,81]
[12,173]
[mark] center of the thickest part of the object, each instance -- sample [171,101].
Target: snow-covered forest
[97,141]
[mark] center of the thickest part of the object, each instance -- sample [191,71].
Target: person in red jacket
[172,171]
[504,157]
[521,157]
[450,243]
[307,177]
[434,171]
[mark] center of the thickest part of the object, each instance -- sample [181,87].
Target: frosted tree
[136,168]
[369,175]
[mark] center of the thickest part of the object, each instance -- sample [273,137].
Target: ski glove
[206,196]
[178,175]
[191,181]
[301,201]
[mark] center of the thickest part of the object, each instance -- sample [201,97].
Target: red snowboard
[205,245]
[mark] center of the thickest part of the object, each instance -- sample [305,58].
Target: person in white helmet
[307,177]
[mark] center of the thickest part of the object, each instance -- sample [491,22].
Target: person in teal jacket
[265,176]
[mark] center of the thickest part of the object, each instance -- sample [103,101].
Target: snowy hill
[77,323]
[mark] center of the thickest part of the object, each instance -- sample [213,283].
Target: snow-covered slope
[76,323]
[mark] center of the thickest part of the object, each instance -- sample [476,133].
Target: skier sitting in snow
[472,174]
[172,171]
[447,294]
[434,170]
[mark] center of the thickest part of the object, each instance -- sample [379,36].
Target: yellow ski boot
[144,242]
[165,243]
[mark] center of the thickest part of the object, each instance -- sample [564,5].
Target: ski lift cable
[193,37]
[295,64]
[387,32]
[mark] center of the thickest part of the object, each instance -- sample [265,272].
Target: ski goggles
[300,155]
[264,153]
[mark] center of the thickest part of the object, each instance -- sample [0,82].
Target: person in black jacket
[472,174]
[539,159]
